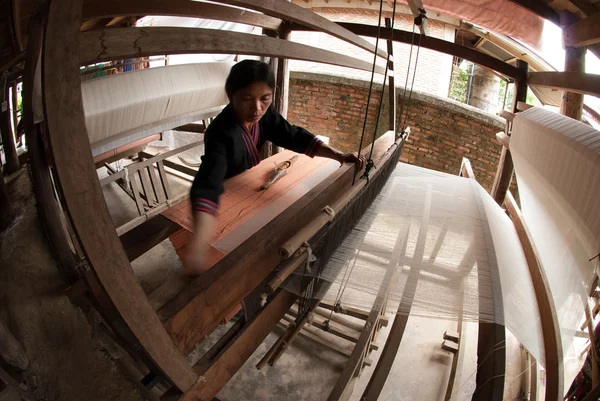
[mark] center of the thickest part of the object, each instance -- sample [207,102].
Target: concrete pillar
[485,90]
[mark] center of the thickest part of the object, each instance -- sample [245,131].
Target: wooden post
[506,168]
[267,149]
[15,108]
[6,215]
[283,81]
[391,82]
[572,103]
[43,188]
[77,181]
[8,139]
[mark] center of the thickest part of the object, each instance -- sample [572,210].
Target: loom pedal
[450,346]
[452,336]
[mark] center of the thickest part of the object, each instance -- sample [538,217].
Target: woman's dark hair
[246,73]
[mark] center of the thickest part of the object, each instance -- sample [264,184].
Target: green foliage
[459,82]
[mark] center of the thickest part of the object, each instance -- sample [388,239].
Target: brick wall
[433,71]
[443,131]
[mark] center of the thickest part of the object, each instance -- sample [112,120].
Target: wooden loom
[162,328]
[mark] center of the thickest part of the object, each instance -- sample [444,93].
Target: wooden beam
[82,194]
[548,318]
[436,44]
[343,385]
[291,12]
[540,8]
[578,82]
[582,33]
[144,237]
[505,169]
[99,9]
[123,43]
[240,348]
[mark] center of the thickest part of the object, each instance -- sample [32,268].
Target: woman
[232,142]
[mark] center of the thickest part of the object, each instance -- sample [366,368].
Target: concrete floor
[307,370]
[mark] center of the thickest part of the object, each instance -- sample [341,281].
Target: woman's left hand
[352,158]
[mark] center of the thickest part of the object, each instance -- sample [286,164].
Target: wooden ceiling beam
[122,43]
[578,82]
[584,32]
[416,6]
[98,9]
[540,8]
[439,45]
[291,12]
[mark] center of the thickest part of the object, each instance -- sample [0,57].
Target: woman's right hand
[195,260]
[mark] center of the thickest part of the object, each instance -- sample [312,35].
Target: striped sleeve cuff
[313,147]
[205,205]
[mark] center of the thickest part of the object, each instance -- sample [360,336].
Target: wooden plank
[146,186]
[503,139]
[343,386]
[336,329]
[390,350]
[522,106]
[289,11]
[507,115]
[549,321]
[540,8]
[193,312]
[582,33]
[159,191]
[354,312]
[123,43]
[454,365]
[163,178]
[578,82]
[136,193]
[247,340]
[177,8]
[144,237]
[432,43]
[283,82]
[82,194]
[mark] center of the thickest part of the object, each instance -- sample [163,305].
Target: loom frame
[115,288]
[106,256]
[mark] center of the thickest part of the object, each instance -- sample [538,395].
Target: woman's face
[252,102]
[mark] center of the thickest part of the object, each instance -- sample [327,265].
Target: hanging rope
[418,21]
[362,136]
[370,163]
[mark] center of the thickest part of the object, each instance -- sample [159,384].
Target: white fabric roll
[557,163]
[125,107]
